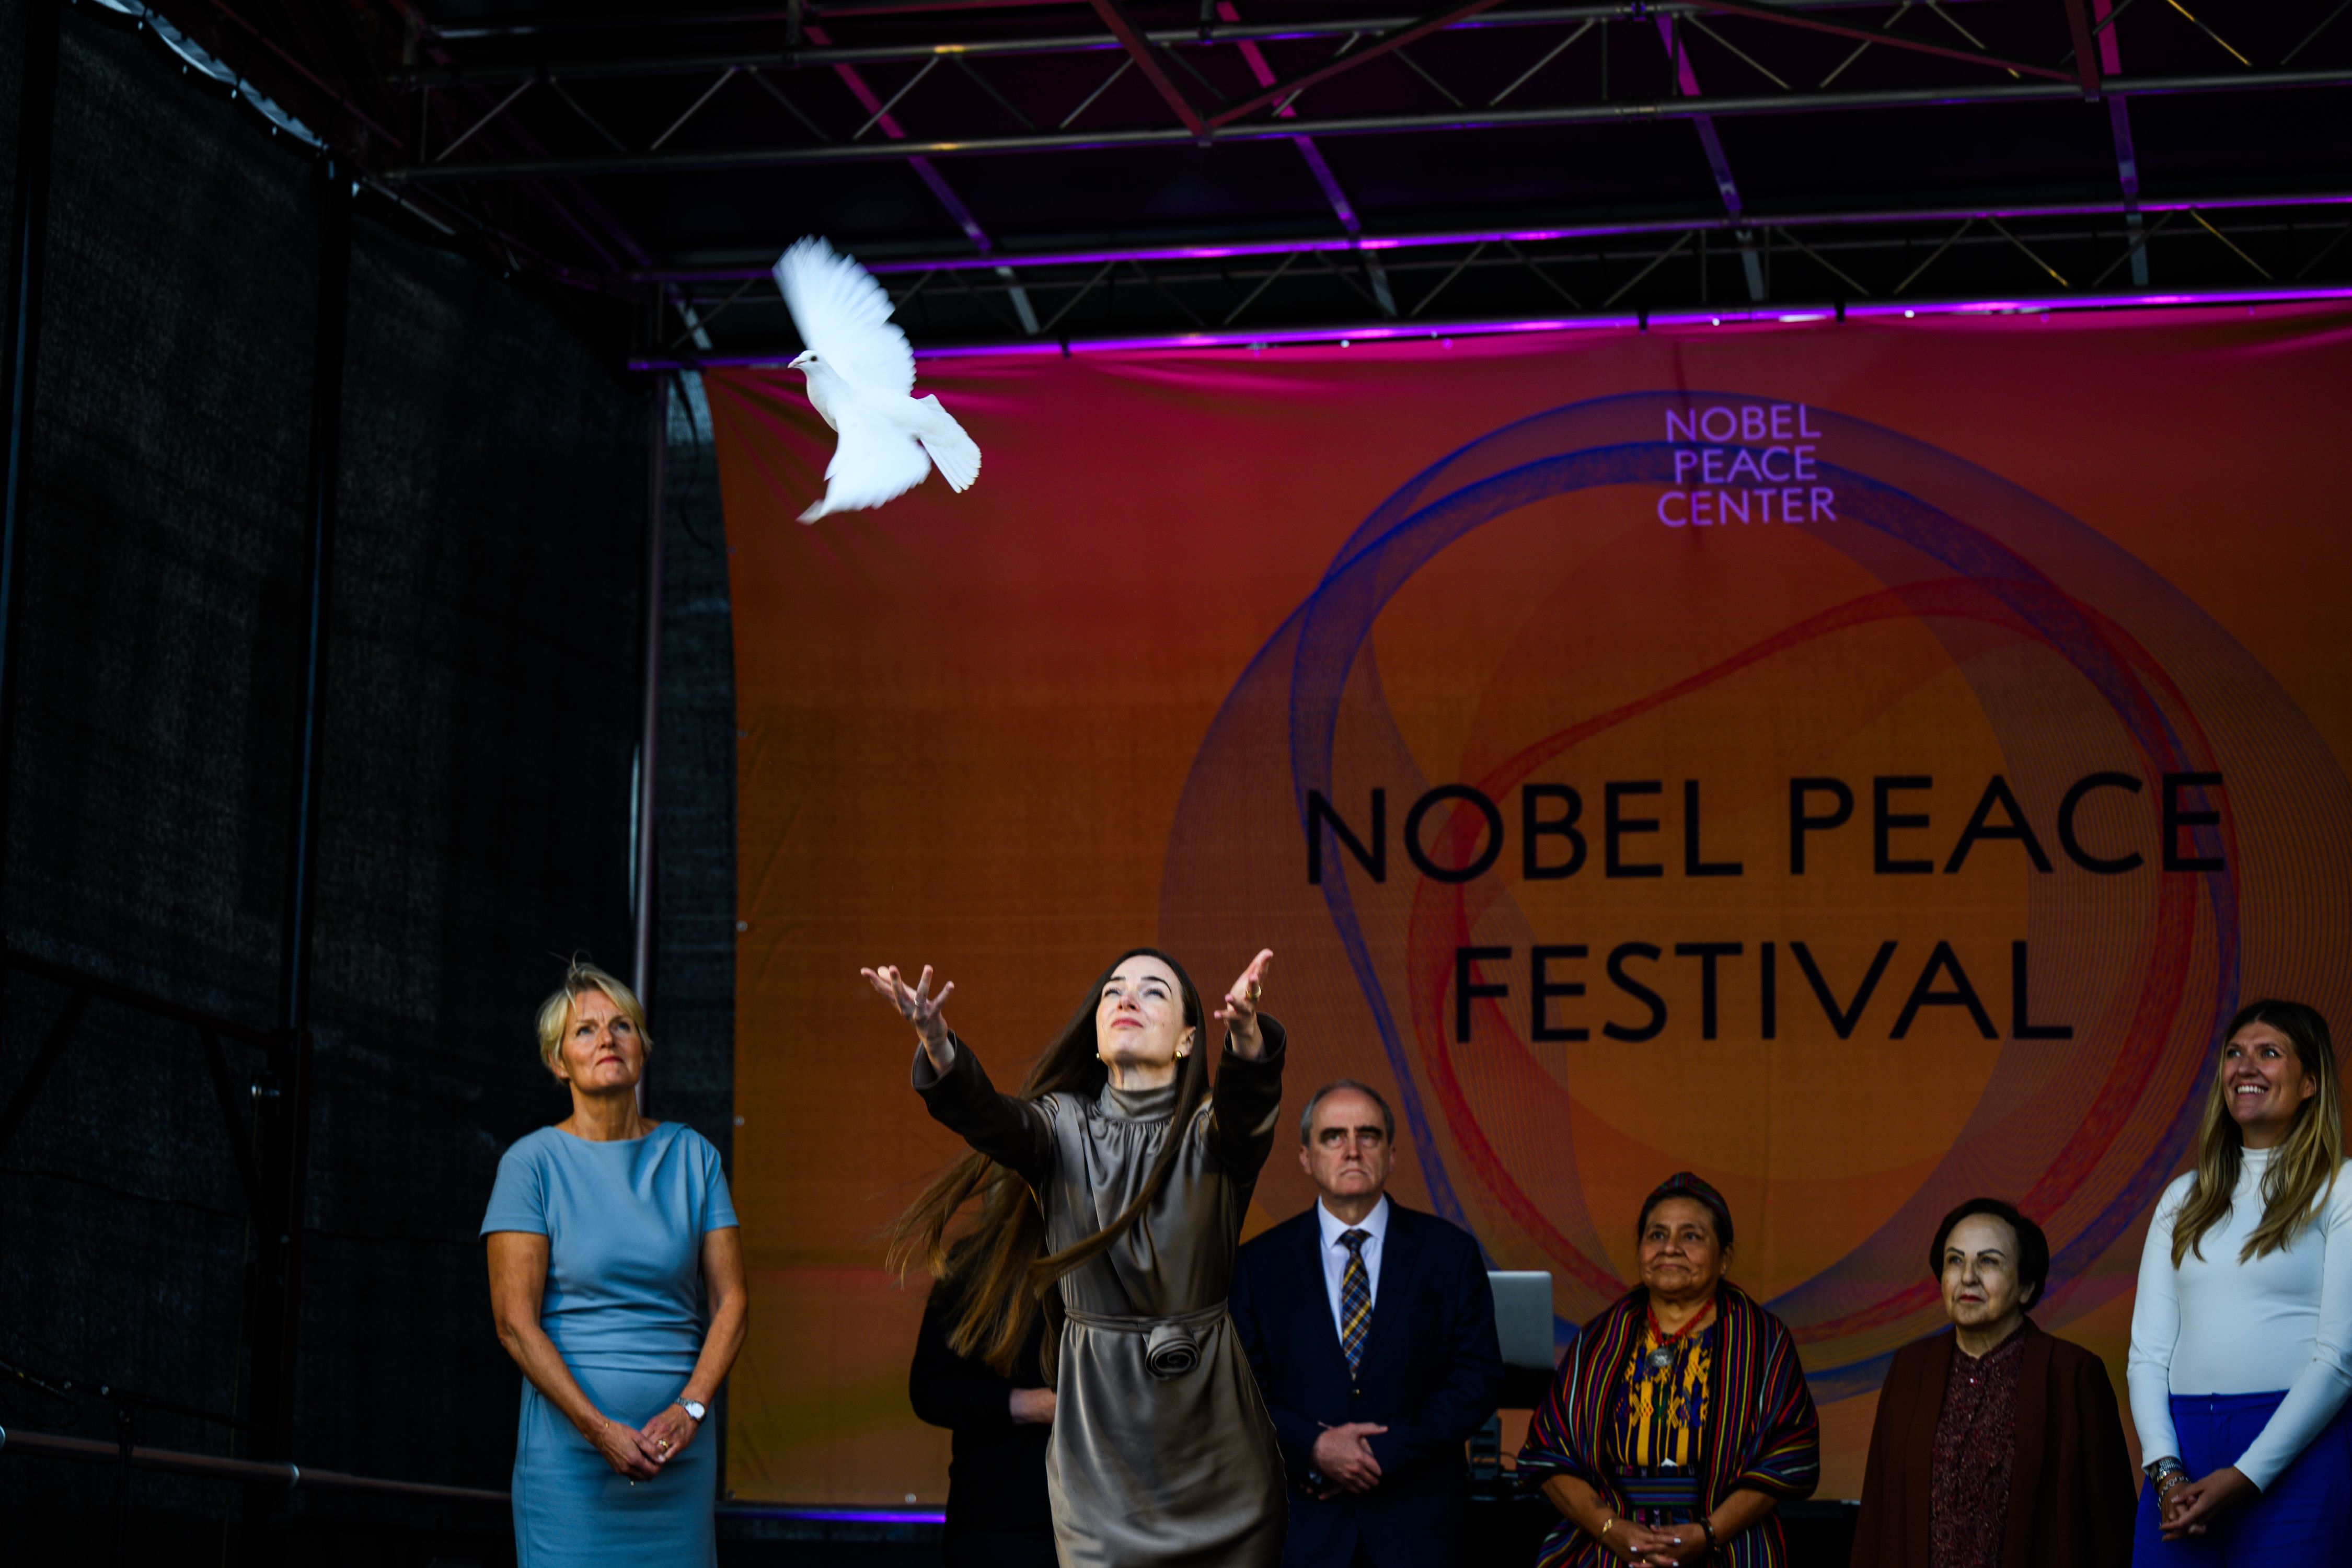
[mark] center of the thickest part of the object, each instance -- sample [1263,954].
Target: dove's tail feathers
[955,452]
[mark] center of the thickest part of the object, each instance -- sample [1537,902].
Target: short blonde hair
[580,978]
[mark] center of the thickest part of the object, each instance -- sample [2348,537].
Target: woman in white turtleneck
[2241,1337]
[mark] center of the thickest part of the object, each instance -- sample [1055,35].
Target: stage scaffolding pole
[274,1302]
[643,889]
[28,239]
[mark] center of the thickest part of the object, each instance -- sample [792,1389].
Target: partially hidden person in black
[998,1515]
[1371,1329]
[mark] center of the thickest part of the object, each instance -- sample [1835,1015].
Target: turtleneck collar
[1138,1104]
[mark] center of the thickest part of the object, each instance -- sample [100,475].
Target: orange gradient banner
[1861,763]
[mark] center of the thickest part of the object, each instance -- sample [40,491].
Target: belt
[1171,1345]
[1661,1492]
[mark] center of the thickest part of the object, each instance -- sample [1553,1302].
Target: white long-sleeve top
[2215,1325]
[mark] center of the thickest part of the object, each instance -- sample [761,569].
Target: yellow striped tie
[1355,1300]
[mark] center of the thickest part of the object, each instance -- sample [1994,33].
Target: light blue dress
[624,1304]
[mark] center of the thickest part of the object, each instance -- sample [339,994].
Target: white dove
[861,381]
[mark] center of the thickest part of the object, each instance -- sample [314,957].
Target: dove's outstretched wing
[844,316]
[874,461]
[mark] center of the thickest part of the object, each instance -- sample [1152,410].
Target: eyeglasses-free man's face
[1348,1155]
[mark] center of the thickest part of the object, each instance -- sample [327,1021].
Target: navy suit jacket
[1429,1374]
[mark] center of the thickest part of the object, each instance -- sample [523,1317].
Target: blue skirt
[2304,1518]
[572,1510]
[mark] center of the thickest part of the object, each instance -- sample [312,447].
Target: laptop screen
[1523,1317]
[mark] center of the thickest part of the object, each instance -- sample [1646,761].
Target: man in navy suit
[1372,1331]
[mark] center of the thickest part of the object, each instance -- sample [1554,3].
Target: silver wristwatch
[694,1407]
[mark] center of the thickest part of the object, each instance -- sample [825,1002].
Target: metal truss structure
[1067,173]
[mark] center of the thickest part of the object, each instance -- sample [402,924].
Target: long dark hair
[1001,1262]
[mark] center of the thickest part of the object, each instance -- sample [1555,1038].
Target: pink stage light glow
[1801,316]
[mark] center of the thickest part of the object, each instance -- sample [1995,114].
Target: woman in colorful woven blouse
[1997,1445]
[1680,1419]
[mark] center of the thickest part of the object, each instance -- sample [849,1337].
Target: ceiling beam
[1384,244]
[586,68]
[1692,315]
[1148,59]
[849,10]
[2087,60]
[1782,16]
[2108,60]
[1387,43]
[1718,165]
[1472,118]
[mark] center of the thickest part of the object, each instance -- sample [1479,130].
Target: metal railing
[262,1471]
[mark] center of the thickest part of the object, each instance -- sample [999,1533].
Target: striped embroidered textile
[1760,1435]
[1664,1409]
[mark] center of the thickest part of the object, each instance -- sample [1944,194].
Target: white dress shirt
[1375,1225]
[2215,1325]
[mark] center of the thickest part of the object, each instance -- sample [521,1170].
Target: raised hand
[1240,1011]
[920,1007]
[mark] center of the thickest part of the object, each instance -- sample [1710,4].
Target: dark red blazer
[2070,1487]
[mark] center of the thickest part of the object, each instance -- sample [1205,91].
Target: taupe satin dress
[1145,1472]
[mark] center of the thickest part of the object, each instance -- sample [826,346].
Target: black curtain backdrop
[479,739]
[693,1079]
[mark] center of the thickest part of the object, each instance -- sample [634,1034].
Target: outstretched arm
[1245,1098]
[1240,1011]
[920,1007]
[1010,1131]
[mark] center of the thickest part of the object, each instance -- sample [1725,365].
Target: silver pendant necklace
[1661,1359]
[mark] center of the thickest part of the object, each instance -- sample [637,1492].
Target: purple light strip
[1519,236]
[1779,315]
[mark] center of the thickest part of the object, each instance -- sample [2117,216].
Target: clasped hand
[2190,1506]
[1657,1547]
[639,1453]
[1343,1458]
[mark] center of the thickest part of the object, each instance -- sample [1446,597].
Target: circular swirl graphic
[1550,691]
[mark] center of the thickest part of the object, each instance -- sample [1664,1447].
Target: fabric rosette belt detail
[1171,1351]
[1172,1346]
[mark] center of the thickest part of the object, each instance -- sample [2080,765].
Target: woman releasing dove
[861,381]
[1111,1190]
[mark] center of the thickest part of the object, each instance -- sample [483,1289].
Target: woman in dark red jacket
[1997,1445]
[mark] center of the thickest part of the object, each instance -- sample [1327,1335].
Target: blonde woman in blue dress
[616,1281]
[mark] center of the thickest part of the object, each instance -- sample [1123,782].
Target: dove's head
[807,358]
